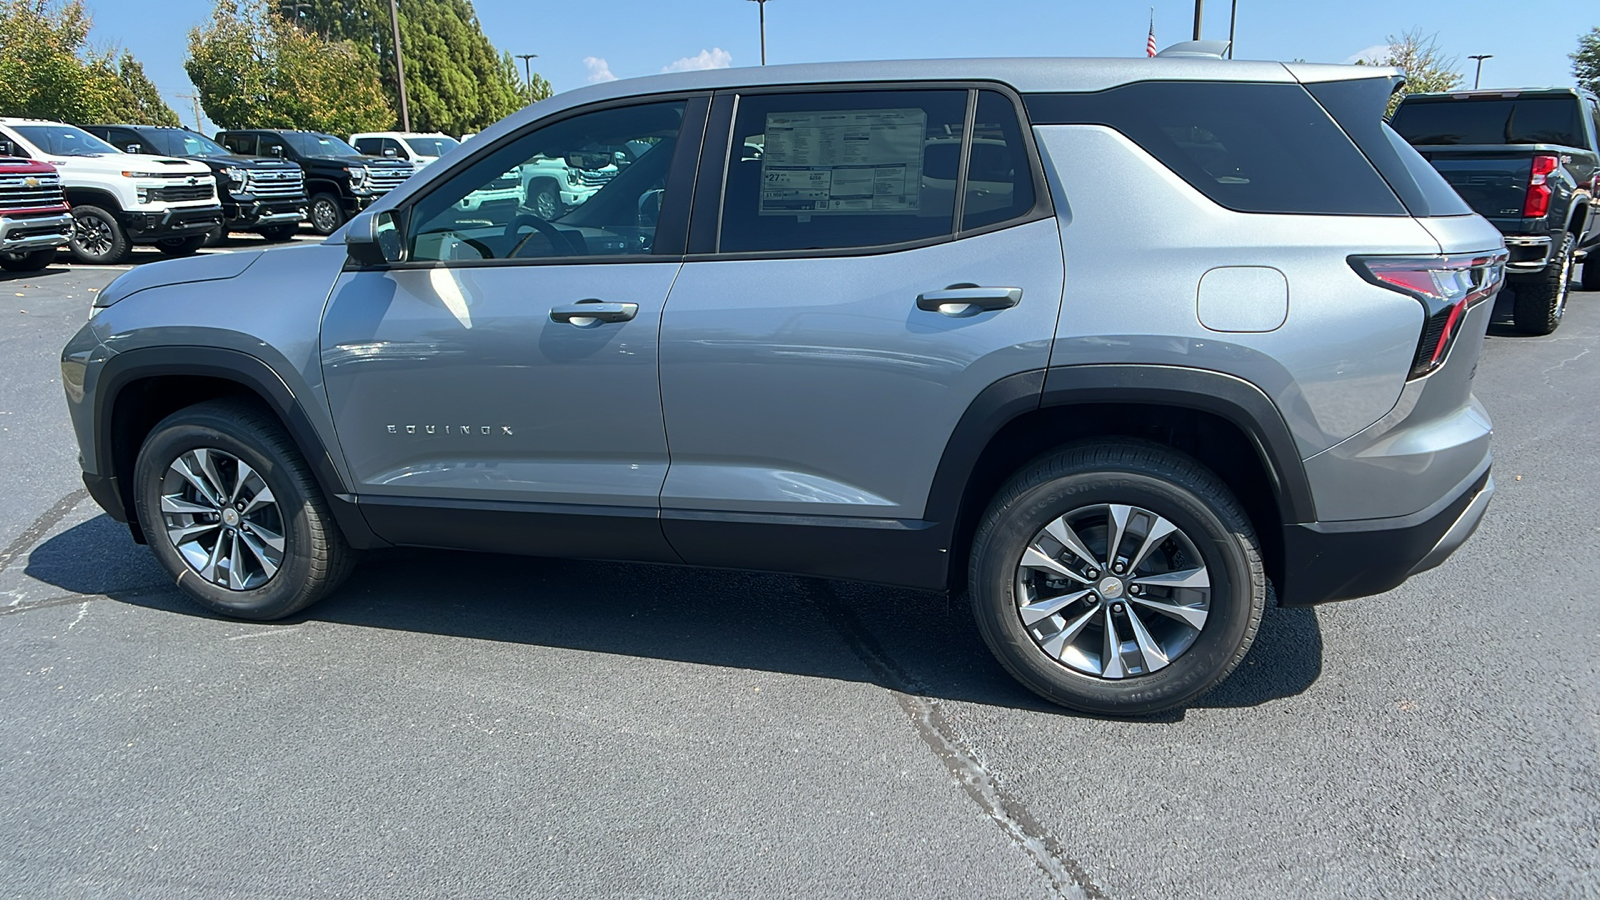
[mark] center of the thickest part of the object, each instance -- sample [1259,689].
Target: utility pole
[1480,57]
[1197,5]
[399,67]
[527,73]
[196,98]
[762,4]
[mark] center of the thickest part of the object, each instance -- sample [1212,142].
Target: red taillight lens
[1537,203]
[1446,286]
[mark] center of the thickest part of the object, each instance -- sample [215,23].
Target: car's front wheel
[277,234]
[1117,578]
[32,261]
[183,246]
[233,513]
[327,214]
[97,236]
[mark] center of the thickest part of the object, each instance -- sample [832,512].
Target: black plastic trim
[1322,565]
[126,368]
[570,531]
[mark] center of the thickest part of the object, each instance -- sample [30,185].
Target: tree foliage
[253,69]
[48,71]
[1418,55]
[1586,62]
[456,81]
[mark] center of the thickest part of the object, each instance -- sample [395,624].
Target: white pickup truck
[121,199]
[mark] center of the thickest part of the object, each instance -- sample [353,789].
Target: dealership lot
[455,725]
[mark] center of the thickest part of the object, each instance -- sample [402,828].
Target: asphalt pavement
[454,725]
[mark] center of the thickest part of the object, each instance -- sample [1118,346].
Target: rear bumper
[23,235]
[1528,253]
[1326,561]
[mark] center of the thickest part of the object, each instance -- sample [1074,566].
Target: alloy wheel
[92,235]
[324,215]
[222,518]
[544,205]
[1113,591]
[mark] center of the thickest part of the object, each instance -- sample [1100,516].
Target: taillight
[1446,286]
[1538,199]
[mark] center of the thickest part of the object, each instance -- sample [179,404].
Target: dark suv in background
[267,196]
[340,180]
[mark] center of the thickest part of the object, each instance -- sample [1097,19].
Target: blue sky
[581,40]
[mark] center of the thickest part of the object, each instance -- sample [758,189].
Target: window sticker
[844,162]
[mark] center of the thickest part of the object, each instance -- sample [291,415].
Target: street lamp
[763,6]
[1480,57]
[527,73]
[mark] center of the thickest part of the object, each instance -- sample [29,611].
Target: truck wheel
[186,246]
[1117,578]
[1591,271]
[277,234]
[327,214]
[216,237]
[1541,299]
[233,513]
[544,202]
[97,237]
[27,262]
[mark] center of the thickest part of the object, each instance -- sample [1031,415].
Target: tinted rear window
[1358,106]
[1266,148]
[1520,120]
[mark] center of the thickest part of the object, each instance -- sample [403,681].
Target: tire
[180,247]
[544,202]
[1206,630]
[97,237]
[216,237]
[277,234]
[327,213]
[1541,299]
[174,513]
[34,261]
[1591,271]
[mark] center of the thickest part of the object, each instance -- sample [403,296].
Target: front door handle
[962,300]
[586,313]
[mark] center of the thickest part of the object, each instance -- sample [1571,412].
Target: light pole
[1197,9]
[1233,16]
[762,4]
[527,73]
[1480,57]
[399,67]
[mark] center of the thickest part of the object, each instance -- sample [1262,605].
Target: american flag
[1150,42]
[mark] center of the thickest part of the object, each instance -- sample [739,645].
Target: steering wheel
[474,243]
[552,234]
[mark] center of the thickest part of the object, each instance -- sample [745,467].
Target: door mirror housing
[275,151]
[134,148]
[390,152]
[374,239]
[7,148]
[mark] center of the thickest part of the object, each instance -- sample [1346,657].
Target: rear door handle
[962,300]
[585,313]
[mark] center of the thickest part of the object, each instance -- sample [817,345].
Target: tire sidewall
[31,261]
[1233,612]
[280,595]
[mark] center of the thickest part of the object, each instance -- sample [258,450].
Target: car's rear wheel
[232,512]
[33,261]
[1541,299]
[97,237]
[184,246]
[326,214]
[1117,578]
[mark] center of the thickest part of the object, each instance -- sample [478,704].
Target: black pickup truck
[1528,161]
[267,196]
[340,179]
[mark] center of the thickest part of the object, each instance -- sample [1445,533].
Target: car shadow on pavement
[908,641]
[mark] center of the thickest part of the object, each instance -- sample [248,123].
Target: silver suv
[1118,347]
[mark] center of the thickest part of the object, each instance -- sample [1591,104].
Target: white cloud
[599,69]
[715,58]
[1373,54]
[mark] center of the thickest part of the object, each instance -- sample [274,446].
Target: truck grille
[595,179]
[271,184]
[388,178]
[178,193]
[16,193]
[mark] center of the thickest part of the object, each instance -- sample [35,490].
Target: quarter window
[592,185]
[999,176]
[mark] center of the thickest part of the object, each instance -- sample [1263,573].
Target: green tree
[1418,55]
[253,69]
[49,72]
[456,81]
[1586,62]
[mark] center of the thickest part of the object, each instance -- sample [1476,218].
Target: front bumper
[24,235]
[174,222]
[1326,561]
[245,213]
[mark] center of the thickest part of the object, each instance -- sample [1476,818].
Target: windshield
[191,144]
[309,143]
[1491,120]
[432,146]
[64,140]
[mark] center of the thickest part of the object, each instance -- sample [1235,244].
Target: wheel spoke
[209,469]
[262,498]
[1057,643]
[175,504]
[184,533]
[241,476]
[269,567]
[1187,578]
[1111,655]
[1034,558]
[209,570]
[1149,650]
[1158,533]
[1043,609]
[1061,531]
[1117,526]
[1193,616]
[182,466]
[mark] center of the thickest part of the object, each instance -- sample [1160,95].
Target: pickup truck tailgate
[1494,182]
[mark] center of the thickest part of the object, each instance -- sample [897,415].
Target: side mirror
[373,239]
[134,148]
[276,151]
[7,148]
[390,152]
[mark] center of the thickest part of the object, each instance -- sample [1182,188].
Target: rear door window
[1491,120]
[370,146]
[242,144]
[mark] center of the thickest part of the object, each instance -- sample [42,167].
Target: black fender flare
[251,373]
